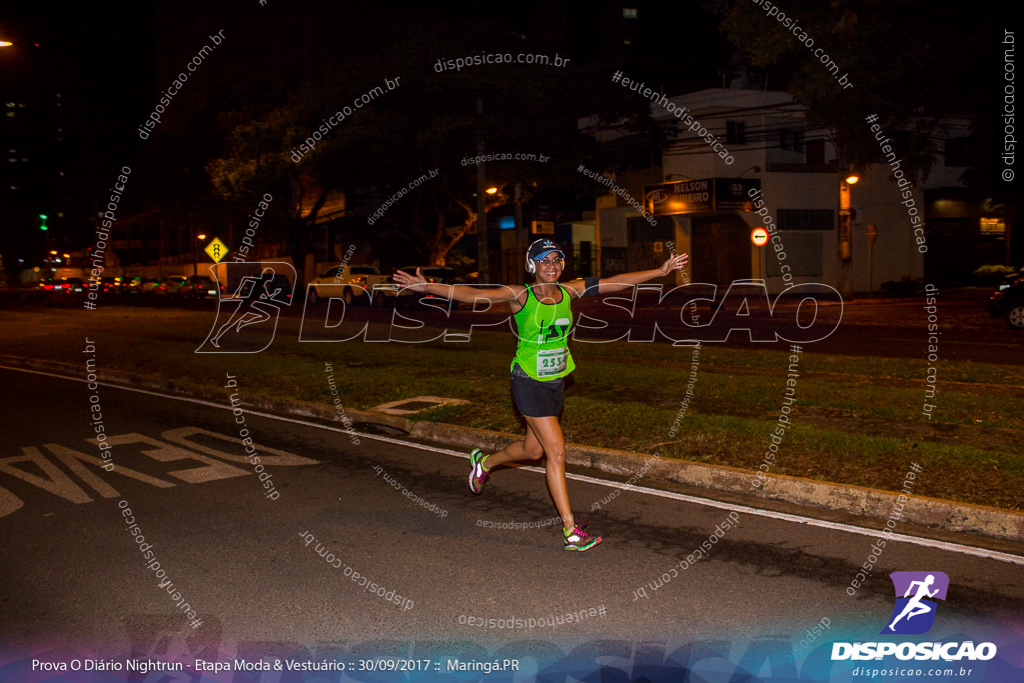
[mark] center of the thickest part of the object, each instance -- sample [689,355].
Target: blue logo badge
[914,612]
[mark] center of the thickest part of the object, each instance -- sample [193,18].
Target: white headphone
[531,265]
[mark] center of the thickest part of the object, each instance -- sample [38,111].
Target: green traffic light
[42,219]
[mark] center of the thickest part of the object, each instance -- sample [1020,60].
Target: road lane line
[950,341]
[707,502]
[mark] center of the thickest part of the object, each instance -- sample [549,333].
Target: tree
[426,123]
[913,63]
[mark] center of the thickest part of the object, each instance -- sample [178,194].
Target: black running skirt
[534,398]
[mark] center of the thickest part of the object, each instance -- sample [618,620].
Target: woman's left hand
[674,262]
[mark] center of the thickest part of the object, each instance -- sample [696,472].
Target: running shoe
[478,475]
[578,539]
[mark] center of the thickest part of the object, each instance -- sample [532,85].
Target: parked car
[69,285]
[62,285]
[151,286]
[110,285]
[348,283]
[131,285]
[439,274]
[278,288]
[173,284]
[62,291]
[1007,302]
[199,287]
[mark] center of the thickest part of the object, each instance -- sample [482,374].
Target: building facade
[747,159]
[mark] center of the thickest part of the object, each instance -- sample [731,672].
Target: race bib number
[551,363]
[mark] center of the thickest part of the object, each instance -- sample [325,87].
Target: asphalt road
[257,569]
[891,328]
[887,328]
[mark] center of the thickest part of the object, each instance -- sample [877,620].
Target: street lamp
[521,234]
[195,256]
[843,221]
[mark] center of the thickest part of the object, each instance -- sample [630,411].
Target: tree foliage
[916,64]
[428,122]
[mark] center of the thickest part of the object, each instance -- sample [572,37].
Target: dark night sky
[111,60]
[103,57]
[100,58]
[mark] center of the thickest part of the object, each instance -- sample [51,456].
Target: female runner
[543,318]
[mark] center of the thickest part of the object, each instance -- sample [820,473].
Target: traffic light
[42,221]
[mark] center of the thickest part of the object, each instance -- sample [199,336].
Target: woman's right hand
[412,281]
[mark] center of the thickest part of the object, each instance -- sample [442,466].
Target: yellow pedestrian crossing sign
[216,250]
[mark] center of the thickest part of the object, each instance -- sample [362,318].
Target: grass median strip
[856,419]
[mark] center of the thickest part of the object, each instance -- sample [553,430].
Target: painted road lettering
[164,452]
[57,483]
[34,467]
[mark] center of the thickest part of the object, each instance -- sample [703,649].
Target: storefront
[703,217]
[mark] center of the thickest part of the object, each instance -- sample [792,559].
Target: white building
[734,142]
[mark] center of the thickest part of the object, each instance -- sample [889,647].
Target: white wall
[876,200]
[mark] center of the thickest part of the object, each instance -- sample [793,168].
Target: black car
[439,274]
[1007,302]
[199,287]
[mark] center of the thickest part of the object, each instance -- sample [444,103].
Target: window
[792,140]
[629,13]
[815,151]
[735,132]
[806,219]
[806,255]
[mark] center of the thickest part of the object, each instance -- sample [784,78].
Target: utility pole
[522,234]
[483,256]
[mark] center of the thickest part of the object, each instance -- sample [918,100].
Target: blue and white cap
[541,248]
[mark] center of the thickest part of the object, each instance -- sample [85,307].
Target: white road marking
[950,341]
[796,519]
[57,483]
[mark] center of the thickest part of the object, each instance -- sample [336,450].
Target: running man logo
[914,613]
[250,314]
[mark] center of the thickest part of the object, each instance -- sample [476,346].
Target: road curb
[857,500]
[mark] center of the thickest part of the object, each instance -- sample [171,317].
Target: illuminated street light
[195,256]
[852,179]
[492,190]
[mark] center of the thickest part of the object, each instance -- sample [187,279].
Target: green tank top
[543,329]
